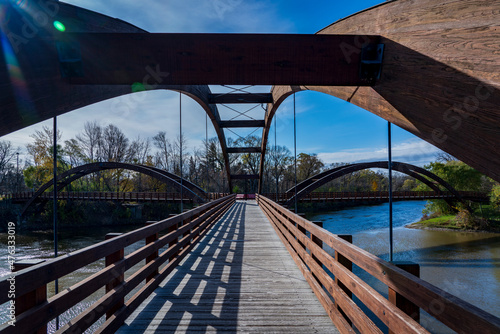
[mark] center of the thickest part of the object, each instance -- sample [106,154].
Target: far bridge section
[170,197]
[355,196]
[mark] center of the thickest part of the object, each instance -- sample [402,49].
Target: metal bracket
[371,62]
[70,59]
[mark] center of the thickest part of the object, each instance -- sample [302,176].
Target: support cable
[275,157]
[54,201]
[295,149]
[180,148]
[390,191]
[206,149]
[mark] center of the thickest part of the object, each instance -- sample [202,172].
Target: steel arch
[64,179]
[316,181]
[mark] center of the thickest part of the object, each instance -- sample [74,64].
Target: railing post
[111,259]
[301,229]
[173,242]
[33,298]
[318,242]
[348,264]
[152,238]
[401,302]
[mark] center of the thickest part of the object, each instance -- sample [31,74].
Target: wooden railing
[110,196]
[333,282]
[372,195]
[183,231]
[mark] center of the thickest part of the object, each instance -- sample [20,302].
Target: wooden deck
[239,278]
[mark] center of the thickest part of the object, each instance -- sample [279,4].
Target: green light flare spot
[138,87]
[59,26]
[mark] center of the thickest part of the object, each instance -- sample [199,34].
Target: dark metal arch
[316,181]
[64,179]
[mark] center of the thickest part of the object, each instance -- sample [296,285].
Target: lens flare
[24,103]
[59,26]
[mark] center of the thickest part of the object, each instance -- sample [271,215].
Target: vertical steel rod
[206,149]
[180,146]
[295,149]
[275,157]
[390,191]
[54,201]
[17,173]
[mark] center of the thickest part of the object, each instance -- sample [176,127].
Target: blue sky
[334,129]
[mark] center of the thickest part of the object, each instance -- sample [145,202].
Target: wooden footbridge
[430,67]
[224,267]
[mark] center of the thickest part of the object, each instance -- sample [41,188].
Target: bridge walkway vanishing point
[239,278]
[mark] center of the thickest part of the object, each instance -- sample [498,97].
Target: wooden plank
[240,98]
[242,124]
[243,150]
[198,59]
[239,278]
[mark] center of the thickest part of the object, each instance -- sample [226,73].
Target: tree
[307,166]
[457,174]
[89,141]
[41,151]
[163,156]
[278,161]
[9,177]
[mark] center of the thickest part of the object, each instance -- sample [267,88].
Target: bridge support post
[348,264]
[188,232]
[401,302]
[171,229]
[301,229]
[33,298]
[318,242]
[152,257]
[111,259]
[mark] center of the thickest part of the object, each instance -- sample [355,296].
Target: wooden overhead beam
[243,150]
[251,123]
[189,59]
[240,98]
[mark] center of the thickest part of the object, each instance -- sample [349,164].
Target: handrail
[455,313]
[101,195]
[347,195]
[192,226]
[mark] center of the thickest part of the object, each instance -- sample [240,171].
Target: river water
[464,264]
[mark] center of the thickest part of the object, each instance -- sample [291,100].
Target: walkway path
[239,278]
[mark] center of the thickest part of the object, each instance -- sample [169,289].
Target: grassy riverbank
[485,220]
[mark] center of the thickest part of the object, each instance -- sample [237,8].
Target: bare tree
[163,156]
[90,141]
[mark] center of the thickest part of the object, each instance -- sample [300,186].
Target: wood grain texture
[440,77]
[239,278]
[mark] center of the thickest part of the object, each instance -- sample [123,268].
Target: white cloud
[417,152]
[194,15]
